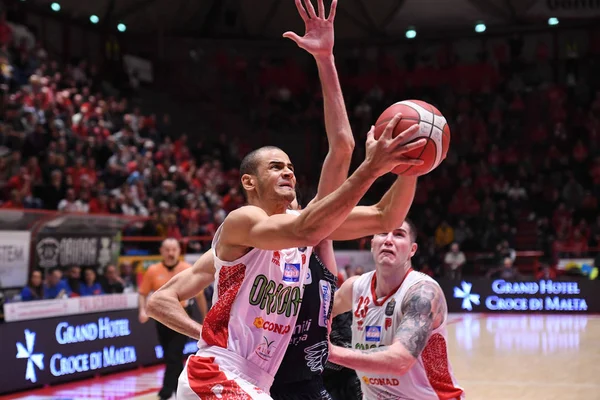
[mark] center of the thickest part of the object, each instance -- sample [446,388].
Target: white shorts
[203,379]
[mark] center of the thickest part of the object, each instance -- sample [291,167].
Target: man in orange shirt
[171,341]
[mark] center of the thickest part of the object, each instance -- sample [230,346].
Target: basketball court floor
[495,357]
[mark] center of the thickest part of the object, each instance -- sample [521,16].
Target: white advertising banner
[355,258]
[14,258]
[27,310]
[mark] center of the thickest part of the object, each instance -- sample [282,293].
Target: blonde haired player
[398,326]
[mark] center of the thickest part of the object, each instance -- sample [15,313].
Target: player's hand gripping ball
[433,127]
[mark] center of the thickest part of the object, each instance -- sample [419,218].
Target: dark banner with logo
[544,296]
[40,352]
[86,250]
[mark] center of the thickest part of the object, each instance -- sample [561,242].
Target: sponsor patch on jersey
[291,272]
[388,323]
[380,381]
[389,308]
[373,333]
[325,292]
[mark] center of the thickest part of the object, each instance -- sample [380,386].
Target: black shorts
[311,389]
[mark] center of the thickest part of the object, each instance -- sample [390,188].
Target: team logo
[291,272]
[303,259]
[373,334]
[47,250]
[388,323]
[276,258]
[266,349]
[468,298]
[33,359]
[271,326]
[316,356]
[389,309]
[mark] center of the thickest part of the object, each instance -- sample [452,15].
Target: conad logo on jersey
[380,381]
[271,326]
[275,298]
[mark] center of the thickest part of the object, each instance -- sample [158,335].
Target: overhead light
[552,21]
[480,27]
[55,7]
[121,27]
[94,19]
[411,33]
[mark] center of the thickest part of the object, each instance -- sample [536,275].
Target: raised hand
[387,152]
[318,37]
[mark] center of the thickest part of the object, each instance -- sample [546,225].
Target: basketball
[433,127]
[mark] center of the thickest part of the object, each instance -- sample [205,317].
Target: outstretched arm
[423,310]
[164,305]
[318,40]
[385,216]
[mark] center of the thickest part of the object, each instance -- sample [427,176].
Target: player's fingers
[332,11]
[301,10]
[310,8]
[407,133]
[292,36]
[387,132]
[410,161]
[412,146]
[371,134]
[321,9]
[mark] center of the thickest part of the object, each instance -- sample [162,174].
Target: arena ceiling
[270,18]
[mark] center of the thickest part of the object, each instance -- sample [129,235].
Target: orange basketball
[433,127]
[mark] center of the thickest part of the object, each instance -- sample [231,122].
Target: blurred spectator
[112,283]
[454,261]
[34,289]
[55,287]
[444,235]
[546,272]
[90,287]
[507,271]
[73,281]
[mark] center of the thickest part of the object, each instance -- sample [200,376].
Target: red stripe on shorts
[210,383]
[435,360]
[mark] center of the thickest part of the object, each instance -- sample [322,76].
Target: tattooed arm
[423,310]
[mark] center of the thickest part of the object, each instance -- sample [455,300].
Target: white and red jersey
[255,306]
[375,323]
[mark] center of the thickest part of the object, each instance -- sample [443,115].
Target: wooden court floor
[526,357]
[494,357]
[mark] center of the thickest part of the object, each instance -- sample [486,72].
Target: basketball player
[399,325]
[252,335]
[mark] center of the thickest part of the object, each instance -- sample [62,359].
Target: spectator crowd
[524,157]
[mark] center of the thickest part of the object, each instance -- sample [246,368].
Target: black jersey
[308,349]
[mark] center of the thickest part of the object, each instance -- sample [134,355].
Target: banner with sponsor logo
[14,258]
[63,349]
[84,250]
[22,311]
[526,296]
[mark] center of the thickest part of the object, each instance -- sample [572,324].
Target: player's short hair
[413,229]
[249,164]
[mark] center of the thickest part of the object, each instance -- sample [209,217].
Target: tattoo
[423,310]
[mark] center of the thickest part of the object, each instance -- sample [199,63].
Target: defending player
[399,325]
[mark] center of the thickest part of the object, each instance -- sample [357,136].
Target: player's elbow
[343,147]
[155,304]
